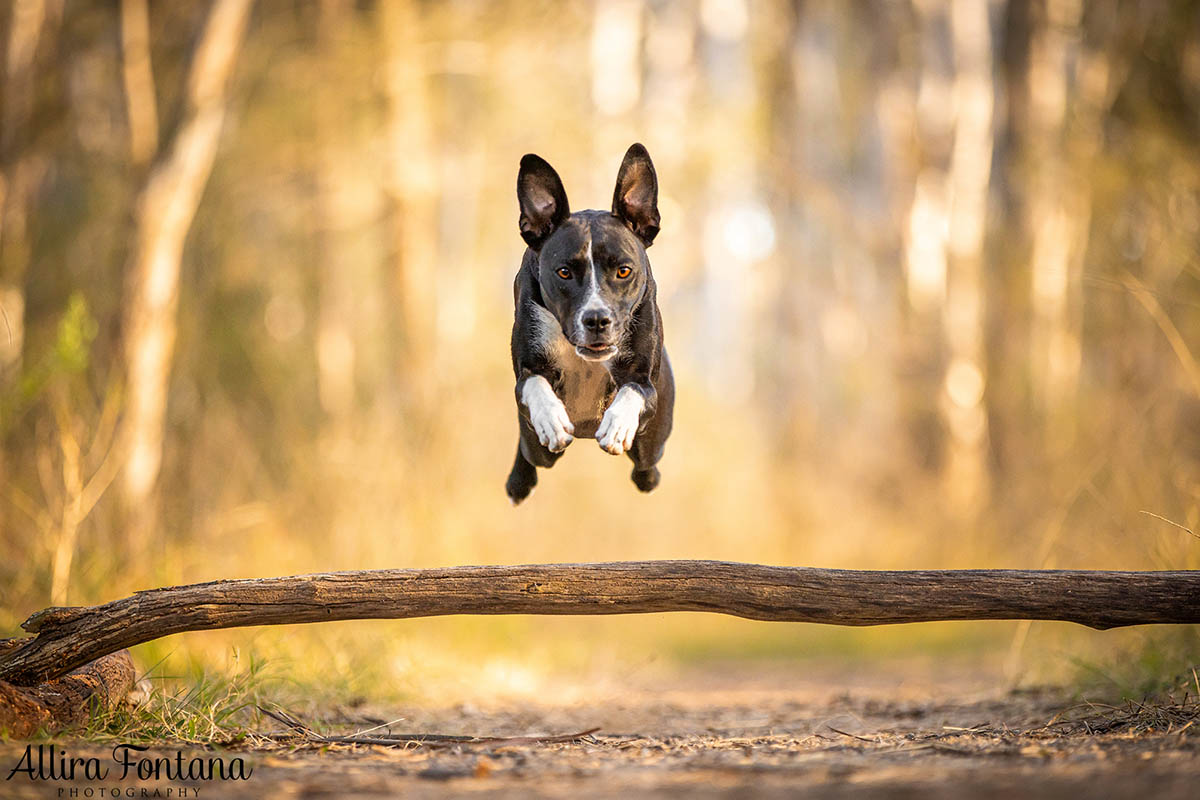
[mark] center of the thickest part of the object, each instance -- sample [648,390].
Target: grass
[205,709]
[1152,662]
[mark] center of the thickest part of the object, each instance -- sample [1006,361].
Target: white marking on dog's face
[620,424]
[547,414]
[592,300]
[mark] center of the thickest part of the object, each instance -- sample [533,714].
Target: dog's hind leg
[531,454]
[645,454]
[651,441]
[521,480]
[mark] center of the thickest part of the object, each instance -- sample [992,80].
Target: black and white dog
[587,343]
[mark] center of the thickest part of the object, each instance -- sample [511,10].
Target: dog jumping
[587,340]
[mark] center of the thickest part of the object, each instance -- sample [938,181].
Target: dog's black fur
[587,342]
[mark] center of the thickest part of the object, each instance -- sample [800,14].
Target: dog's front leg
[633,404]
[546,413]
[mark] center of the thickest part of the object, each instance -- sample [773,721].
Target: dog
[587,340]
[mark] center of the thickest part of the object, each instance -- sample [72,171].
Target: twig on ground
[852,736]
[423,739]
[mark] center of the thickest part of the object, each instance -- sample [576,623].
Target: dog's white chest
[586,387]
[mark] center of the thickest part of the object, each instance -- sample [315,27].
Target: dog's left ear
[635,200]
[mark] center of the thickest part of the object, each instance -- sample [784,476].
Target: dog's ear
[542,198]
[635,200]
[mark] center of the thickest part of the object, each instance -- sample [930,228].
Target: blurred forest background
[928,272]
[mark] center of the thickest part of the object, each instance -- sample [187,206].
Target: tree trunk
[925,241]
[141,107]
[24,30]
[70,637]
[163,217]
[411,183]
[1058,218]
[21,171]
[966,475]
[337,294]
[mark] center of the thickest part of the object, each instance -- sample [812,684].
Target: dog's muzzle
[596,352]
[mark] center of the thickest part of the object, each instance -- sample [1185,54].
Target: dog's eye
[563,273]
[624,272]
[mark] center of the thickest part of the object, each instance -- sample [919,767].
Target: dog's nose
[597,321]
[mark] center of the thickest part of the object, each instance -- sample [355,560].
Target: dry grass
[206,709]
[1171,712]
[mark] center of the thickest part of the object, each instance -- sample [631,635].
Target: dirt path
[724,733]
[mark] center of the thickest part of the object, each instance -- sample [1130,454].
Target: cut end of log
[64,702]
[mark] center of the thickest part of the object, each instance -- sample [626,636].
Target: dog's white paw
[547,414]
[620,423]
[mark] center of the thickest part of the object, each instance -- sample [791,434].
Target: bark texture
[70,637]
[64,701]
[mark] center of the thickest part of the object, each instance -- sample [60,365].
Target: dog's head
[592,265]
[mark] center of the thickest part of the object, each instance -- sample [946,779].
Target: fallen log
[65,701]
[67,638]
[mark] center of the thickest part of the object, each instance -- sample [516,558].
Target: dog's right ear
[542,198]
